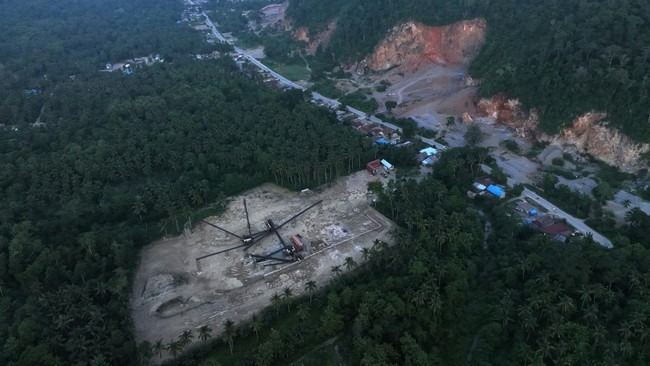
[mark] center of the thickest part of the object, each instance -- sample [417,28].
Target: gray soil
[173,291]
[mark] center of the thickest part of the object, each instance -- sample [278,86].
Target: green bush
[511,145]
[558,162]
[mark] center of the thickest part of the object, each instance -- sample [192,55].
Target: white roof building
[429,151]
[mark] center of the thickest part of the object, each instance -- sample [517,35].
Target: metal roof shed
[496,190]
[429,151]
[386,164]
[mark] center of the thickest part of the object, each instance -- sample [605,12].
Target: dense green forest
[454,290]
[563,57]
[45,42]
[119,160]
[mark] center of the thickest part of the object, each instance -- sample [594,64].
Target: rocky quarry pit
[588,134]
[411,46]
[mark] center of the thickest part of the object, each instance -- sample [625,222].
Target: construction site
[268,239]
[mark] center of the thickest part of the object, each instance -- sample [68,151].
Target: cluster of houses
[379,166]
[485,188]
[545,223]
[427,156]
[380,135]
[128,66]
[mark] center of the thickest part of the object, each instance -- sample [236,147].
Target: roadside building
[429,151]
[373,167]
[559,231]
[526,208]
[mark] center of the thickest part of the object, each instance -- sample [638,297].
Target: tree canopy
[565,58]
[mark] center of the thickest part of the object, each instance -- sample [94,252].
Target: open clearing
[173,292]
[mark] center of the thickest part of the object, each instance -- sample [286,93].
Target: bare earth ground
[231,286]
[431,94]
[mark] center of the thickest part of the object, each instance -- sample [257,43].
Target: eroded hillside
[412,44]
[588,133]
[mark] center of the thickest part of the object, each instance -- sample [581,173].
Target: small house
[429,151]
[496,190]
[478,186]
[557,229]
[373,167]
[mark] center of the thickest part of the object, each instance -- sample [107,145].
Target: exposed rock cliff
[591,135]
[320,39]
[412,44]
[588,133]
[507,112]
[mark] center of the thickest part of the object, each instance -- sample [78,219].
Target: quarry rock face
[588,134]
[413,44]
[320,39]
[508,112]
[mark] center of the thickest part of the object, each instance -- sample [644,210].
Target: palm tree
[365,253]
[229,333]
[336,270]
[350,263]
[144,353]
[286,293]
[275,301]
[310,287]
[186,338]
[158,347]
[205,333]
[174,347]
[303,311]
[256,326]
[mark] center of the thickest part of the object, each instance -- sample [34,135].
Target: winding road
[333,103]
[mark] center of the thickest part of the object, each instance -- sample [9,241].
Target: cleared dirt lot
[173,292]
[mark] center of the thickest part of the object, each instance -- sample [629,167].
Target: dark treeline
[119,160]
[453,291]
[564,57]
[124,158]
[45,42]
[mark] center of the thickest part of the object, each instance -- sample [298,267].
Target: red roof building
[373,167]
[557,229]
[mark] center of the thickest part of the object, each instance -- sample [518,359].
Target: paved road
[333,103]
[577,223]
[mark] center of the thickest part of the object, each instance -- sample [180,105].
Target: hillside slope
[564,58]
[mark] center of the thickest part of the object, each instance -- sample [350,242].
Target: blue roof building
[381,141]
[496,190]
